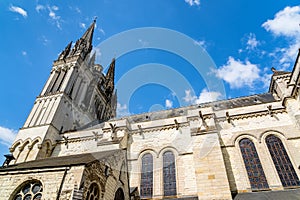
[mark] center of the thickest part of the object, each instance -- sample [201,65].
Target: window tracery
[282,162]
[32,190]
[169,174]
[253,165]
[93,192]
[146,188]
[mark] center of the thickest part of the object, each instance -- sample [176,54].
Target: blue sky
[243,40]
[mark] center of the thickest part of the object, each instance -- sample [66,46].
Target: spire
[88,35]
[84,44]
[110,77]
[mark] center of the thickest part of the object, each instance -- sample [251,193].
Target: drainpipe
[62,182]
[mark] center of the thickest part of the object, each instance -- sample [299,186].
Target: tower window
[169,174]
[253,166]
[147,176]
[282,162]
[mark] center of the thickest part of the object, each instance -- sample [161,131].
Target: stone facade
[71,143]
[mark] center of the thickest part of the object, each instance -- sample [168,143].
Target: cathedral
[72,146]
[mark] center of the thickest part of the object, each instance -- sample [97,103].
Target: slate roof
[216,105]
[61,161]
[243,101]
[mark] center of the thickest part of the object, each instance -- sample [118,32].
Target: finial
[273,69]
[95,18]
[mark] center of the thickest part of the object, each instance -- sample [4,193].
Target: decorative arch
[15,145]
[23,152]
[26,142]
[168,148]
[28,190]
[147,150]
[169,173]
[49,148]
[253,165]
[36,140]
[235,140]
[265,134]
[282,162]
[146,187]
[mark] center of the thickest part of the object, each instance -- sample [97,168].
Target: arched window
[93,193]
[282,162]
[147,176]
[30,190]
[253,166]
[169,174]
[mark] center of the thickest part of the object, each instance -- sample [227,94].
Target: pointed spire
[88,35]
[84,44]
[110,78]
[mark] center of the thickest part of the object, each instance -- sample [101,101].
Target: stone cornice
[158,128]
[253,114]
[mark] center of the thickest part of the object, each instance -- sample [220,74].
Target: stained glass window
[282,162]
[147,176]
[169,174]
[31,190]
[93,193]
[253,166]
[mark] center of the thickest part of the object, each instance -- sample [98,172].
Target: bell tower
[76,94]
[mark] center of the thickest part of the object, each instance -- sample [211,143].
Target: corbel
[228,117]
[65,139]
[141,131]
[113,128]
[270,111]
[176,124]
[203,120]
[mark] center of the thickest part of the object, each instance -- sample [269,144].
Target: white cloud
[77,10]
[204,96]
[237,73]
[82,25]
[143,42]
[193,2]
[39,7]
[122,110]
[252,42]
[44,40]
[7,136]
[199,42]
[55,8]
[286,24]
[168,103]
[101,31]
[189,98]
[18,10]
[53,16]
